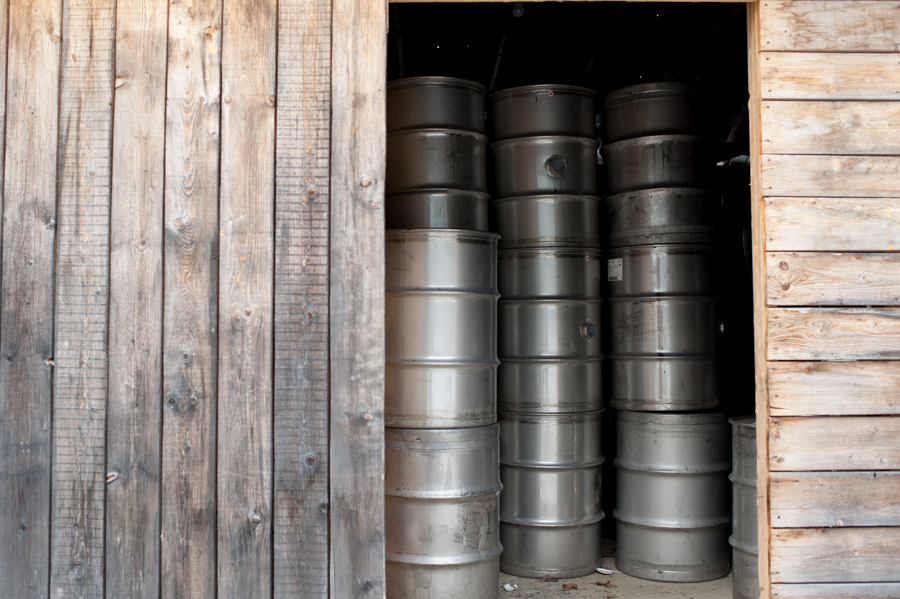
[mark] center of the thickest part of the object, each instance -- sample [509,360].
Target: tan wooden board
[832,224]
[835,555]
[356,460]
[135,304]
[830,176]
[834,388]
[833,279]
[829,76]
[818,127]
[26,292]
[245,309]
[190,358]
[830,26]
[859,590]
[834,443]
[833,334]
[829,499]
[77,560]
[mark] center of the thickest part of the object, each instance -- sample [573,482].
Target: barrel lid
[547,88]
[434,81]
[646,91]
[446,234]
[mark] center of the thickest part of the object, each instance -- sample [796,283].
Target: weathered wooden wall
[180,237]
[826,74]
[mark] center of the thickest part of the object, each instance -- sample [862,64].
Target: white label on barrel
[614,269]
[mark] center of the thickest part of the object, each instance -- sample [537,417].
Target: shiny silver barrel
[549,164]
[437,209]
[550,386]
[542,110]
[440,328]
[541,329]
[653,109]
[549,273]
[435,159]
[441,513]
[658,161]
[550,505]
[664,327]
[435,102]
[673,513]
[673,215]
[548,221]
[744,544]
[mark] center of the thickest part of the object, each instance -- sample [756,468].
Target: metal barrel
[548,221]
[549,273]
[664,328]
[673,215]
[542,110]
[435,102]
[435,159]
[541,329]
[440,328]
[441,513]
[550,386]
[744,544]
[653,109]
[437,209]
[672,495]
[549,164]
[658,161]
[550,505]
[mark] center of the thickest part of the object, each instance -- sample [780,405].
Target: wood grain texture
[359,54]
[188,547]
[836,555]
[834,334]
[833,279]
[758,210]
[134,417]
[246,264]
[26,295]
[829,499]
[859,590]
[834,443]
[812,127]
[834,388]
[832,224]
[831,176]
[82,293]
[302,199]
[830,26]
[830,76]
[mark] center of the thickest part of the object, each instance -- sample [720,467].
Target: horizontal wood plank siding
[831,279]
[833,224]
[831,176]
[830,26]
[834,388]
[859,590]
[835,554]
[829,76]
[834,443]
[834,334]
[830,499]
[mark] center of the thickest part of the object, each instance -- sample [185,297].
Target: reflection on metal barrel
[433,103]
[658,161]
[435,159]
[542,110]
[550,164]
[441,512]
[661,215]
[550,505]
[437,209]
[440,328]
[744,544]
[548,221]
[653,109]
[540,329]
[549,273]
[551,386]
[673,515]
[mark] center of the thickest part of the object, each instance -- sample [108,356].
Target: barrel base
[745,574]
[707,547]
[474,580]
[560,551]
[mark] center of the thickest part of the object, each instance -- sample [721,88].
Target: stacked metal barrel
[744,547]
[442,479]
[673,513]
[544,156]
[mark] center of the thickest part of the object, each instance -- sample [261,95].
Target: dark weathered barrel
[658,161]
[744,544]
[435,159]
[542,110]
[663,215]
[437,209]
[549,164]
[435,103]
[548,221]
[653,109]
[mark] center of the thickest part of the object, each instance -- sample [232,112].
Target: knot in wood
[783,265]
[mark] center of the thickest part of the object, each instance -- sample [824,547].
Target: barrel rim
[447,561]
[660,89]
[670,418]
[550,139]
[435,80]
[652,192]
[549,250]
[645,140]
[547,197]
[481,137]
[539,418]
[584,521]
[456,436]
[392,235]
[743,421]
[441,191]
[524,90]
[718,522]
[668,248]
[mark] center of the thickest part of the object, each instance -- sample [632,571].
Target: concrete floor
[621,586]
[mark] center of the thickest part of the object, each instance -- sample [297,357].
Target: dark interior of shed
[605,46]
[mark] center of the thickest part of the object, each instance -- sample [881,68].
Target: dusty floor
[621,586]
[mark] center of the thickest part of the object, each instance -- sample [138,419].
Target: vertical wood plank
[134,416]
[760,325]
[82,292]
[246,265]
[301,299]
[188,537]
[26,294]
[359,30]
